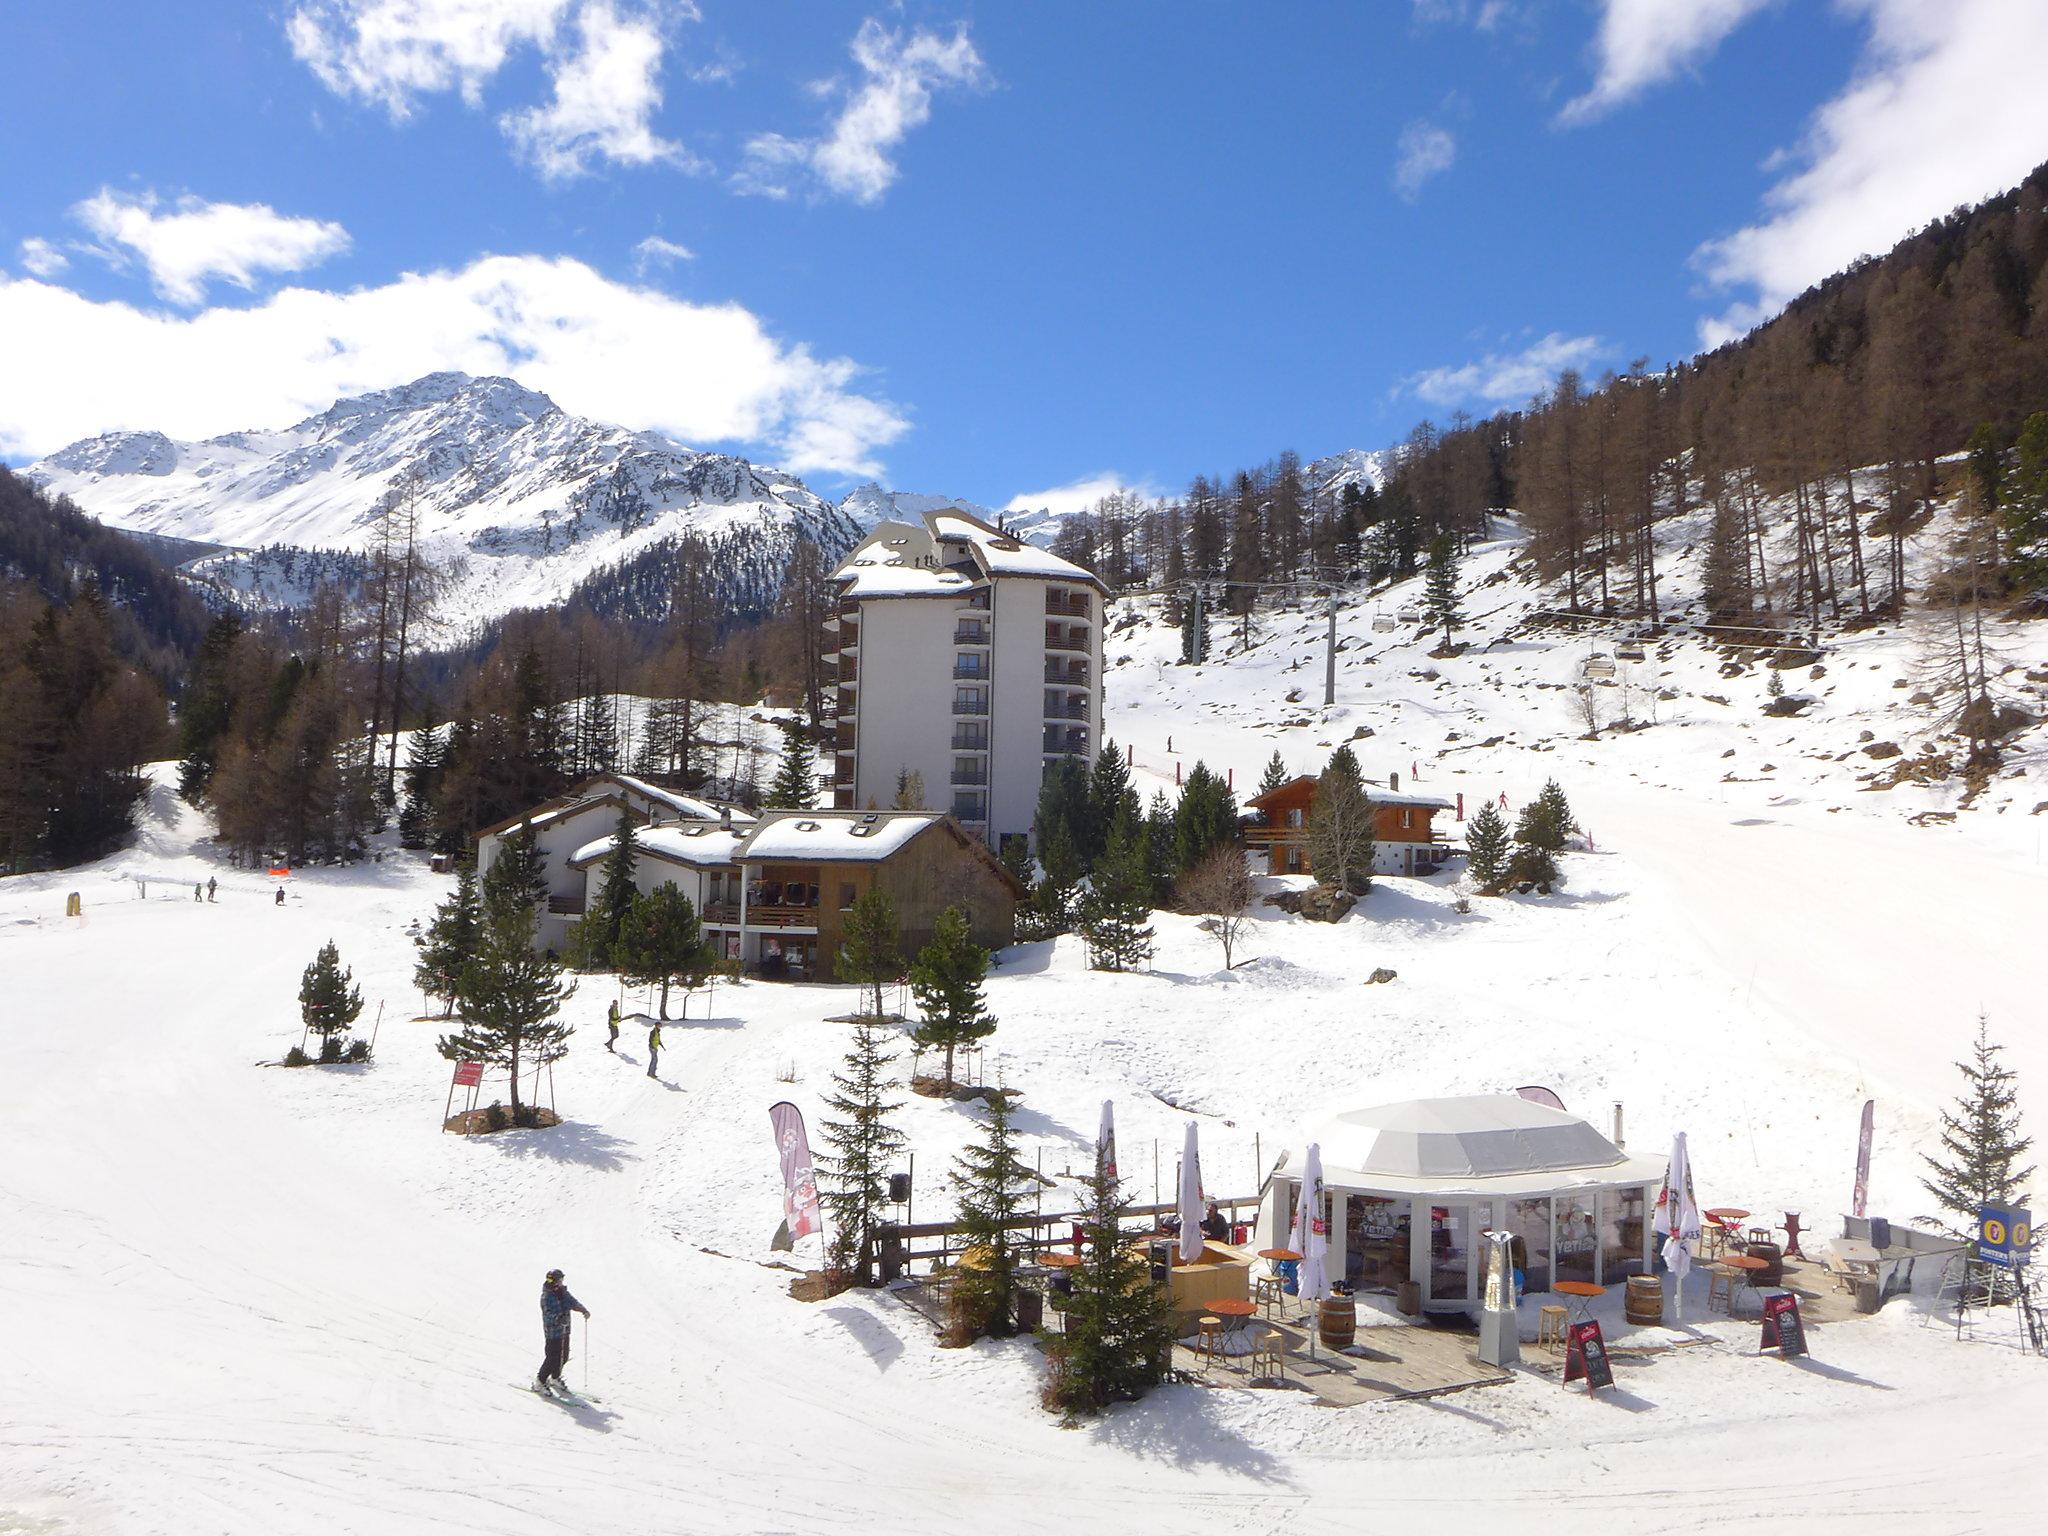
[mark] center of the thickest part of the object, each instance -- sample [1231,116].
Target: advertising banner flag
[1862,1195]
[799,1178]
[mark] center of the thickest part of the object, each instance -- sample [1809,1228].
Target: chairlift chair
[1382,623]
[1597,668]
[1411,616]
[1628,650]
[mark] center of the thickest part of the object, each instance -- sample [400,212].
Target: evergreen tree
[1276,773]
[1440,587]
[206,709]
[1205,818]
[329,1001]
[661,943]
[862,1144]
[869,954]
[1050,910]
[1016,857]
[986,1179]
[909,791]
[1118,1337]
[946,979]
[1547,819]
[520,870]
[1110,798]
[1063,812]
[1118,903]
[510,995]
[1486,847]
[425,758]
[450,941]
[594,944]
[2023,507]
[1159,847]
[1537,841]
[1341,844]
[796,780]
[1981,1139]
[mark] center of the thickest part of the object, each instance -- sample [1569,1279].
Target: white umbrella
[1310,1236]
[1105,1143]
[1678,1219]
[1190,1199]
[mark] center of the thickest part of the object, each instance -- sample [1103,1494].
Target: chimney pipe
[1618,1141]
[1393,781]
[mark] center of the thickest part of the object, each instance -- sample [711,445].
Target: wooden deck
[1389,1361]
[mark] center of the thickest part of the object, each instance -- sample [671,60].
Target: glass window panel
[1578,1237]
[1375,1242]
[1621,1234]
[1450,1252]
[1529,1230]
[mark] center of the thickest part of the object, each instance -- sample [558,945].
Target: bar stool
[1209,1336]
[1759,1235]
[1269,1359]
[1266,1292]
[1550,1328]
[1721,1283]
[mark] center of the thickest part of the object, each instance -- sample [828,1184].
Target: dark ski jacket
[555,1306]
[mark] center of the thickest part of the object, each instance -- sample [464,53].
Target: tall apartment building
[968,658]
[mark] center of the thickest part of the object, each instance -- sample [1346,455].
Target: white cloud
[603,64]
[192,241]
[1482,15]
[854,158]
[1643,43]
[705,373]
[392,52]
[1425,150]
[1506,377]
[1079,495]
[606,93]
[1931,120]
[655,251]
[42,258]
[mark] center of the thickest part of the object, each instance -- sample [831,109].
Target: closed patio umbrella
[1310,1236]
[1190,1199]
[1678,1219]
[1105,1143]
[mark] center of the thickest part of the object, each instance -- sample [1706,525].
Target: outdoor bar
[1446,1170]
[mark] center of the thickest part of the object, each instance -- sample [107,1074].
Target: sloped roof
[835,837]
[1495,1143]
[902,559]
[1372,793]
[698,844]
[688,807]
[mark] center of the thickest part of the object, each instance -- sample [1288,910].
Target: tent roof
[1488,1144]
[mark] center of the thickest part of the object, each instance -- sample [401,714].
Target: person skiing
[211,886]
[653,1049]
[555,1306]
[612,1023]
[280,895]
[198,891]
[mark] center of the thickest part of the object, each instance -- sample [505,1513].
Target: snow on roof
[699,844]
[687,806]
[1003,554]
[870,576]
[902,559]
[1375,795]
[1495,1143]
[834,836]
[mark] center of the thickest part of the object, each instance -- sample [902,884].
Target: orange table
[1280,1255]
[1728,1213]
[1583,1294]
[1059,1260]
[1232,1311]
[1748,1268]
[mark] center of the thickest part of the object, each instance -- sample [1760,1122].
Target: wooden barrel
[1337,1321]
[1645,1299]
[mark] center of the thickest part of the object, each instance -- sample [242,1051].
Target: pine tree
[1539,835]
[597,935]
[1486,847]
[2023,507]
[909,791]
[1982,1140]
[1341,845]
[1110,797]
[869,954]
[796,780]
[1440,588]
[425,757]
[1205,818]
[661,943]
[1552,822]
[450,941]
[986,1179]
[1049,910]
[521,871]
[1114,913]
[1276,774]
[1118,1337]
[946,979]
[863,1143]
[1159,847]
[329,1001]
[510,995]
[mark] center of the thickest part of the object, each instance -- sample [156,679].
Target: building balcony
[1074,674]
[970,776]
[1073,709]
[971,634]
[1066,741]
[971,812]
[1076,640]
[970,738]
[565,906]
[970,706]
[1073,605]
[804,919]
[966,673]
[976,600]
[845,738]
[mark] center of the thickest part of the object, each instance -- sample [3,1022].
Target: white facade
[969,659]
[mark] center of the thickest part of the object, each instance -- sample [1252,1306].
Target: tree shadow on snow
[1813,1367]
[1183,1429]
[882,1346]
[570,1142]
[1023,959]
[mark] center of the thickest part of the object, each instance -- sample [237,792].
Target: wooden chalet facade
[1405,839]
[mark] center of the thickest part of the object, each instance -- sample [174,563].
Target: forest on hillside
[1816,445]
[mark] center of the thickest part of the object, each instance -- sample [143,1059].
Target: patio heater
[1500,1331]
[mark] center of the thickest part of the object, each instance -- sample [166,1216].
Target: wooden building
[1405,839]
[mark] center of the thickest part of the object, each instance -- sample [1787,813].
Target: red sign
[1585,1355]
[469,1074]
[1782,1329]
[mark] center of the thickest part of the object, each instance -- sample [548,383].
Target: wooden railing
[900,1242]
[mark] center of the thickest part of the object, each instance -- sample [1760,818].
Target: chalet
[562,826]
[774,895]
[1404,840]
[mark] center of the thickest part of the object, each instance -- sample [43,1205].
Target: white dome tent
[1577,1206]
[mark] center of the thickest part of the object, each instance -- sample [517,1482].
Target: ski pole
[586,1352]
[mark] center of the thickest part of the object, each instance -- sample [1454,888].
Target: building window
[1375,1242]
[1294,817]
[1578,1237]
[970,664]
[1407,817]
[845,894]
[970,701]
[1529,1239]
[970,807]
[1621,1234]
[970,736]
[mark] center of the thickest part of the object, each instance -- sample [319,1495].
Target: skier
[198,891]
[612,1023]
[280,895]
[555,1306]
[653,1049]
[211,885]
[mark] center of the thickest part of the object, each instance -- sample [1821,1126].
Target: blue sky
[996,251]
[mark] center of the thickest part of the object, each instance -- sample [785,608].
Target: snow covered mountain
[1329,475]
[869,504]
[531,501]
